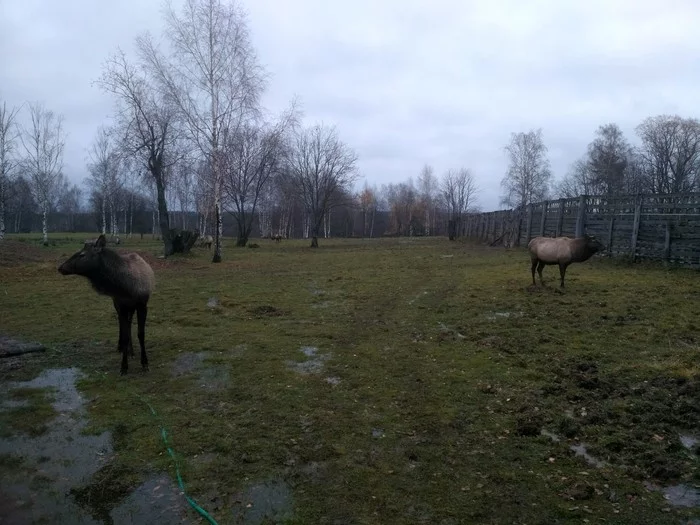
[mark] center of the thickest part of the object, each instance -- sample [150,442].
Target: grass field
[383,381]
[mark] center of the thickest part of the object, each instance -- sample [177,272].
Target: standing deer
[127,279]
[562,251]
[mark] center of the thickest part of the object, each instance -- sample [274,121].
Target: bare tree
[213,78]
[103,160]
[528,177]
[608,159]
[69,202]
[320,166]
[368,206]
[145,119]
[576,182]
[8,161]
[253,153]
[670,153]
[459,191]
[43,143]
[428,186]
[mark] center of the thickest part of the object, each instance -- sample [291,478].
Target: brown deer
[562,251]
[127,279]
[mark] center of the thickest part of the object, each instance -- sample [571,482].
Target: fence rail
[645,226]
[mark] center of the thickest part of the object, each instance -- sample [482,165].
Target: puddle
[417,297]
[266,502]
[333,380]
[213,302]
[54,462]
[580,450]
[678,495]
[12,347]
[449,330]
[211,376]
[323,304]
[502,315]
[158,500]
[550,435]
[377,433]
[688,441]
[313,365]
[61,459]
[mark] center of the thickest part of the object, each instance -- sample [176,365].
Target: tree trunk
[44,224]
[104,217]
[131,217]
[2,211]
[163,219]
[219,227]
[153,230]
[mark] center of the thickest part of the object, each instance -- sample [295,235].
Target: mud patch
[313,365]
[265,310]
[270,501]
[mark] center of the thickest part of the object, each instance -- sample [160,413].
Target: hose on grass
[192,502]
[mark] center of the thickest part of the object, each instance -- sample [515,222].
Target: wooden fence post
[529,223]
[545,205]
[635,228]
[581,216]
[560,218]
[667,242]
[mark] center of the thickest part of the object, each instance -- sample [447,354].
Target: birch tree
[253,153]
[8,160]
[528,176]
[43,143]
[146,121]
[213,78]
[321,165]
[459,190]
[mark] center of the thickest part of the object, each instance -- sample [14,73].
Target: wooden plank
[635,228]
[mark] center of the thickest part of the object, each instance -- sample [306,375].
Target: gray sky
[406,82]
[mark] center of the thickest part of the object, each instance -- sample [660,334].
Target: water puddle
[579,450]
[12,347]
[267,502]
[678,495]
[422,294]
[314,363]
[688,441]
[211,376]
[37,488]
[502,315]
[446,329]
[213,302]
[56,461]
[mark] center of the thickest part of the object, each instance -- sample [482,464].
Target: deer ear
[100,242]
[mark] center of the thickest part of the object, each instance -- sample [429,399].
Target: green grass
[449,365]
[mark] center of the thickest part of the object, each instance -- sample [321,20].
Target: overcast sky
[406,82]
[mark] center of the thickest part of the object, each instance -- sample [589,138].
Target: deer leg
[562,271]
[124,338]
[141,312]
[129,320]
[117,308]
[534,265]
[540,267]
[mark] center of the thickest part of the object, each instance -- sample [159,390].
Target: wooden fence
[648,226]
